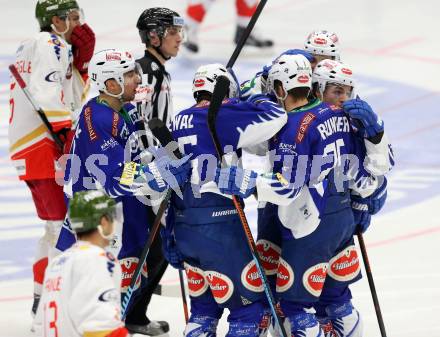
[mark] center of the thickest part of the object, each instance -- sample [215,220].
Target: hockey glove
[236,181]
[165,172]
[363,208]
[169,247]
[83,45]
[370,125]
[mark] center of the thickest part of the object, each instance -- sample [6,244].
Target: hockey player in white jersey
[53,65]
[81,290]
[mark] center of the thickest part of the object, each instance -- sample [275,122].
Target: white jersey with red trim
[45,63]
[81,294]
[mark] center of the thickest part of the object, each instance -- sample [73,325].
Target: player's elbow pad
[379,159]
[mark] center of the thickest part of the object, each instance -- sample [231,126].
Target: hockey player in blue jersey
[106,152]
[311,202]
[208,234]
[333,83]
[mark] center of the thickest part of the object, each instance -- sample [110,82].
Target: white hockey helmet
[322,42]
[205,79]
[331,71]
[293,71]
[110,64]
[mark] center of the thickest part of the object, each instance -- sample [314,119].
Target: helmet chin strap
[64,32]
[160,52]
[118,96]
[108,236]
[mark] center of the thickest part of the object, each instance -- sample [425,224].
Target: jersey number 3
[50,323]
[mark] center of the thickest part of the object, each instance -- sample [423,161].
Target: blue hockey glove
[236,181]
[361,216]
[164,172]
[170,251]
[364,208]
[169,247]
[369,122]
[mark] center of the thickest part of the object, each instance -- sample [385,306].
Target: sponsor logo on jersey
[286,148]
[108,144]
[221,286]
[269,255]
[110,295]
[197,284]
[333,125]
[345,265]
[115,124]
[285,276]
[347,71]
[304,125]
[250,277]
[199,83]
[88,119]
[57,45]
[113,56]
[303,79]
[53,76]
[128,173]
[320,41]
[314,278]
[128,266]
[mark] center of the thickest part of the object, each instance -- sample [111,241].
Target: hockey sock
[245,10]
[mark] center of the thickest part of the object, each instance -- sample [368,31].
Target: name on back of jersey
[333,125]
[183,122]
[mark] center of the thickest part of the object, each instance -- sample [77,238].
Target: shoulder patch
[307,119]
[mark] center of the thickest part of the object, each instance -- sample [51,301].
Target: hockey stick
[220,91]
[137,273]
[371,284]
[35,105]
[246,34]
[163,135]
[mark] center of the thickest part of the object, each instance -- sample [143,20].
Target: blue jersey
[104,142]
[100,149]
[239,125]
[316,153]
